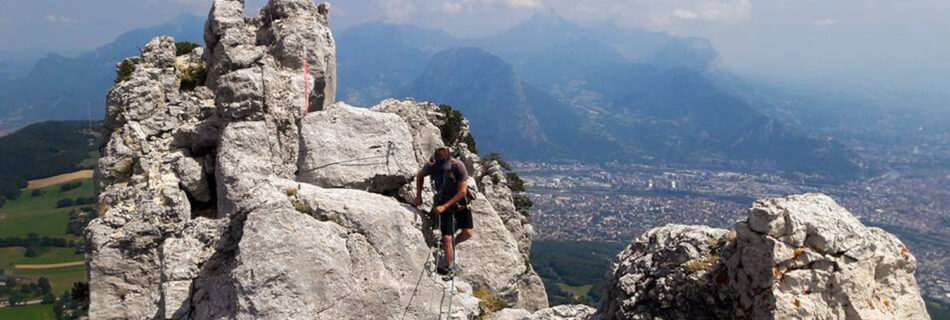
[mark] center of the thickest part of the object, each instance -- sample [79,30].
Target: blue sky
[898,41]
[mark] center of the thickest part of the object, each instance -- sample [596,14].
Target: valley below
[613,203]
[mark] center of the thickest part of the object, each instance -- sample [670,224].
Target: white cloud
[452,7]
[825,22]
[523,4]
[398,10]
[460,6]
[685,14]
[52,18]
[714,11]
[482,17]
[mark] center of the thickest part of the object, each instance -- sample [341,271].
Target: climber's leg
[449,250]
[446,227]
[463,221]
[463,235]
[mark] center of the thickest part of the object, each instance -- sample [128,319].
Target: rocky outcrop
[798,257]
[670,272]
[227,192]
[561,312]
[806,257]
[422,118]
[149,182]
[316,253]
[349,147]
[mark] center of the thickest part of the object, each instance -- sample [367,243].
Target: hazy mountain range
[550,89]
[69,88]
[544,89]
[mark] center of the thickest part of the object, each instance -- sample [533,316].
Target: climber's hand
[417,202]
[440,209]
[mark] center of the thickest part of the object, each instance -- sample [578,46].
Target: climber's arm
[420,176]
[463,188]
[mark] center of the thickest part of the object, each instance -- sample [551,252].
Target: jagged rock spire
[222,197]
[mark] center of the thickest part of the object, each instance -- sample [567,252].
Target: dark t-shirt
[436,171]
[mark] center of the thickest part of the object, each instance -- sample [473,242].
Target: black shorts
[461,217]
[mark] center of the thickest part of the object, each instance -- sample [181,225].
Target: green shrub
[517,185]
[301,207]
[36,193]
[452,128]
[488,303]
[470,142]
[70,186]
[30,252]
[494,156]
[523,203]
[184,47]
[62,203]
[124,71]
[191,78]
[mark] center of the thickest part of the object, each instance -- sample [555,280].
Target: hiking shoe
[443,270]
[448,272]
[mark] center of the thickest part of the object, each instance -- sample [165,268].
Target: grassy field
[9,256]
[61,279]
[30,312]
[54,180]
[39,214]
[49,255]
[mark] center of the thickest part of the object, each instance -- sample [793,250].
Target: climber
[450,180]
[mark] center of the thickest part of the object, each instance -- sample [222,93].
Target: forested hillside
[44,149]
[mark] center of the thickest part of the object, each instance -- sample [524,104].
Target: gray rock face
[561,312]
[806,257]
[670,272]
[151,164]
[349,147]
[798,257]
[223,201]
[421,117]
[363,259]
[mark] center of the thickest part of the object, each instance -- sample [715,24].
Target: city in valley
[618,202]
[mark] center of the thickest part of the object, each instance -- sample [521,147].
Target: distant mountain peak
[487,90]
[545,20]
[545,16]
[690,52]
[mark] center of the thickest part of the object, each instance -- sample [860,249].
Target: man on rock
[450,182]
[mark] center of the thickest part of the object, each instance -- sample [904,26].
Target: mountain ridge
[72,88]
